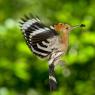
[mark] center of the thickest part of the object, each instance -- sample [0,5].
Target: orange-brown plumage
[59,27]
[62,30]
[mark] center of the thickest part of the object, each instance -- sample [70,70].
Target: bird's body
[43,40]
[46,42]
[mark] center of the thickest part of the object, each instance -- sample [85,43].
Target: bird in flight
[47,42]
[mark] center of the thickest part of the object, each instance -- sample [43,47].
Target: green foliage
[22,73]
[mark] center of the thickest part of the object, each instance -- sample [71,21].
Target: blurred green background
[22,73]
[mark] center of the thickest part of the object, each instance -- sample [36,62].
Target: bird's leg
[62,63]
[66,71]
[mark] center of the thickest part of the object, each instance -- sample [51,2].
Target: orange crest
[59,27]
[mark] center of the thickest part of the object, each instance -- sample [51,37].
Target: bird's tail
[52,79]
[53,61]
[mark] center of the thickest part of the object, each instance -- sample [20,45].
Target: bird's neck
[65,40]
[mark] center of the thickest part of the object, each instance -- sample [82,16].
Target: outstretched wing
[36,35]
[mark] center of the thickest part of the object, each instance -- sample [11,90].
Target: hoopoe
[47,42]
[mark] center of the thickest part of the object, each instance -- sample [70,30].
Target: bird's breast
[57,44]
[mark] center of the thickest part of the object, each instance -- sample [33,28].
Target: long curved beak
[77,26]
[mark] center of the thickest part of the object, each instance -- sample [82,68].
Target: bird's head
[61,28]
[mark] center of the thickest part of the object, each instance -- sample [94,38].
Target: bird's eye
[67,27]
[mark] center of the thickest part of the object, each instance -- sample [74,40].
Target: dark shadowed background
[22,73]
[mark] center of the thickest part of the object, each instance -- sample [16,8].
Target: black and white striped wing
[36,35]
